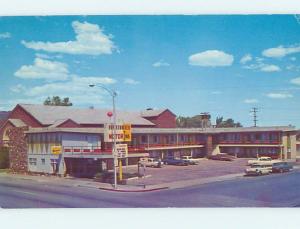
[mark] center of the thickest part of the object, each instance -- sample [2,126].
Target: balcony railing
[94,150]
[266,142]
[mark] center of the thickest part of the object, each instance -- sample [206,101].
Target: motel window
[155,139]
[144,139]
[182,138]
[172,138]
[32,161]
[43,161]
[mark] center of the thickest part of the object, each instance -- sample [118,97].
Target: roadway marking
[23,192]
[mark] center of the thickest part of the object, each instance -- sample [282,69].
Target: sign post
[118,133]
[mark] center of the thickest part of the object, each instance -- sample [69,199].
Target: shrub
[4,158]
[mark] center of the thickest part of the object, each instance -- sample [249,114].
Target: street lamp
[113,94]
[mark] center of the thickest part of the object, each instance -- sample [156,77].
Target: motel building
[32,132]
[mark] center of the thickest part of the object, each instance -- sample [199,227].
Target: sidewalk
[79,182]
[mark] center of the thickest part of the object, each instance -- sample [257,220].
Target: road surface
[276,190]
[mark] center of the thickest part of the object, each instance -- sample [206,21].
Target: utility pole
[254,111]
[113,95]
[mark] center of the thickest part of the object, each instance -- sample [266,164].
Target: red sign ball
[109,114]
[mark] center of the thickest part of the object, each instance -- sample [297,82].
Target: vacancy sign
[121,150]
[122,132]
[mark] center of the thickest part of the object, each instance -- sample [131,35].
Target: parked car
[190,160]
[280,167]
[151,162]
[221,157]
[175,161]
[257,170]
[263,161]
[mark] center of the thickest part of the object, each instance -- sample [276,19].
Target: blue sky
[224,65]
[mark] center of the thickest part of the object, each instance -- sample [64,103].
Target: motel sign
[122,132]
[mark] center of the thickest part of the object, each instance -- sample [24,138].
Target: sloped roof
[48,115]
[152,113]
[59,122]
[17,122]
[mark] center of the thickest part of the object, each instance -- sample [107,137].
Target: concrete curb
[130,190]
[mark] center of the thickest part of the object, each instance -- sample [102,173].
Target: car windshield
[256,166]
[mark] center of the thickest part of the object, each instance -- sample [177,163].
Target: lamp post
[113,94]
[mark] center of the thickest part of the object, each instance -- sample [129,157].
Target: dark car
[280,167]
[175,161]
[221,157]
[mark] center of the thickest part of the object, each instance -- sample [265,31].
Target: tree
[196,121]
[57,101]
[220,123]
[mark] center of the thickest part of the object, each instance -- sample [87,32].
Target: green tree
[57,101]
[220,123]
[196,121]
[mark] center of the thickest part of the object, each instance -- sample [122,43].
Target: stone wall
[18,149]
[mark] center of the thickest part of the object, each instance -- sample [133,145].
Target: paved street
[276,190]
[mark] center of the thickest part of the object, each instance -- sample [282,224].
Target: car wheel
[281,171]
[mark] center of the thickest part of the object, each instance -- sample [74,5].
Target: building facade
[80,135]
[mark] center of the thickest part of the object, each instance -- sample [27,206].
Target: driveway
[205,169]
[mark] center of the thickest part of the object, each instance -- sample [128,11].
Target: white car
[151,162]
[263,161]
[257,170]
[190,159]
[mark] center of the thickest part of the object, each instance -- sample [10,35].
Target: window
[143,139]
[155,139]
[32,161]
[43,161]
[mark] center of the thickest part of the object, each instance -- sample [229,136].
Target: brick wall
[2,131]
[209,145]
[17,149]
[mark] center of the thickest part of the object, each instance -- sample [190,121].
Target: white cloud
[77,89]
[160,63]
[18,88]
[293,58]
[43,56]
[270,68]
[279,95]
[5,35]
[249,101]
[90,40]
[258,64]
[281,51]
[211,58]
[216,92]
[44,69]
[246,58]
[296,81]
[131,81]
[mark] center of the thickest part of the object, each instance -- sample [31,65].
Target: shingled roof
[49,115]
[153,112]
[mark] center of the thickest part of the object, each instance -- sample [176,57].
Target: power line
[254,111]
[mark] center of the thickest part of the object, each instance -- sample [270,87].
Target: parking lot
[205,168]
